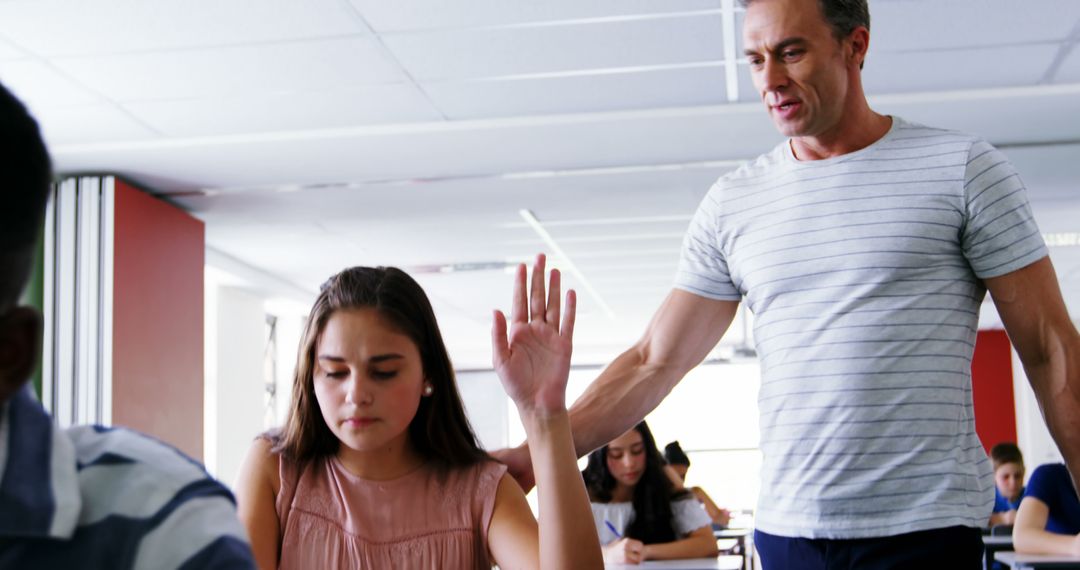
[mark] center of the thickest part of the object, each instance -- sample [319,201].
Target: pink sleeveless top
[331,518]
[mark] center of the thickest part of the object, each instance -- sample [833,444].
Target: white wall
[486,404]
[237,387]
[289,328]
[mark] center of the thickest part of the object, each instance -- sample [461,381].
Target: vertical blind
[77,301]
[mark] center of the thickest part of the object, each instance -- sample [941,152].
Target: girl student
[637,511]
[377,466]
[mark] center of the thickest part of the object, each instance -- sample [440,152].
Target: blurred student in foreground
[88,496]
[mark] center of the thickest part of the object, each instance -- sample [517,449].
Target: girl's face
[680,470]
[368,380]
[626,458]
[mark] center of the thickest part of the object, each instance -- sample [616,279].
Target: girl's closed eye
[383,374]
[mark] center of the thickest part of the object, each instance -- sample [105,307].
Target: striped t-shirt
[94,497]
[864,274]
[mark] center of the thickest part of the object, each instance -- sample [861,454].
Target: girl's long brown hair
[440,431]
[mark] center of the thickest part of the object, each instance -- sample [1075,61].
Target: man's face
[798,66]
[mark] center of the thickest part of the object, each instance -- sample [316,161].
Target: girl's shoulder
[483,476]
[263,462]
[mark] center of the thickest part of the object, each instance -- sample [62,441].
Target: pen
[611,527]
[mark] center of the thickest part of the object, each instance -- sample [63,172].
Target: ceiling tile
[298,66]
[1050,173]
[887,72]
[502,52]
[428,14]
[377,104]
[904,25]
[9,51]
[662,228]
[40,86]
[90,124]
[579,94]
[1069,72]
[61,27]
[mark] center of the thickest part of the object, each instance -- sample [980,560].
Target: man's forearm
[627,390]
[1055,378]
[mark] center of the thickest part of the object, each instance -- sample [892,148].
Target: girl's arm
[698,544]
[1030,535]
[256,488]
[534,366]
[1003,517]
[718,515]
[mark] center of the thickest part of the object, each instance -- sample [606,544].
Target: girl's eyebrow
[373,359]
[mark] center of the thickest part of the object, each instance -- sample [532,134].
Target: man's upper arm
[685,328]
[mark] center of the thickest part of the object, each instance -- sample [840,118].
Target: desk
[994,544]
[739,534]
[718,563]
[1037,561]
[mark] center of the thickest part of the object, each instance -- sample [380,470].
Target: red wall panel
[992,386]
[159,256]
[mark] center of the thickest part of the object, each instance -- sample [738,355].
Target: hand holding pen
[623,550]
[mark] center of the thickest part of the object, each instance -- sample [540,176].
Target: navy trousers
[957,547]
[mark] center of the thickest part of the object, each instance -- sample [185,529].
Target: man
[864,245]
[85,497]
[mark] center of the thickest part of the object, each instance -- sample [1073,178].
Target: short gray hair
[843,16]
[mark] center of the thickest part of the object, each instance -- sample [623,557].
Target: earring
[428,389]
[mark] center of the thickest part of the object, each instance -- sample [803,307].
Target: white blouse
[687,515]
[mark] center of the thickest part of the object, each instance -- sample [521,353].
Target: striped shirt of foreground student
[97,497]
[864,244]
[377,466]
[84,497]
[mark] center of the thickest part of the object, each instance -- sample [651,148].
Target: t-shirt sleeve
[703,267]
[1044,485]
[490,474]
[688,516]
[1000,234]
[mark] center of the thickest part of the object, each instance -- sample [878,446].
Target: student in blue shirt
[1048,521]
[85,497]
[1008,482]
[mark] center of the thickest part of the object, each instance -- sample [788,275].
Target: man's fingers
[536,295]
